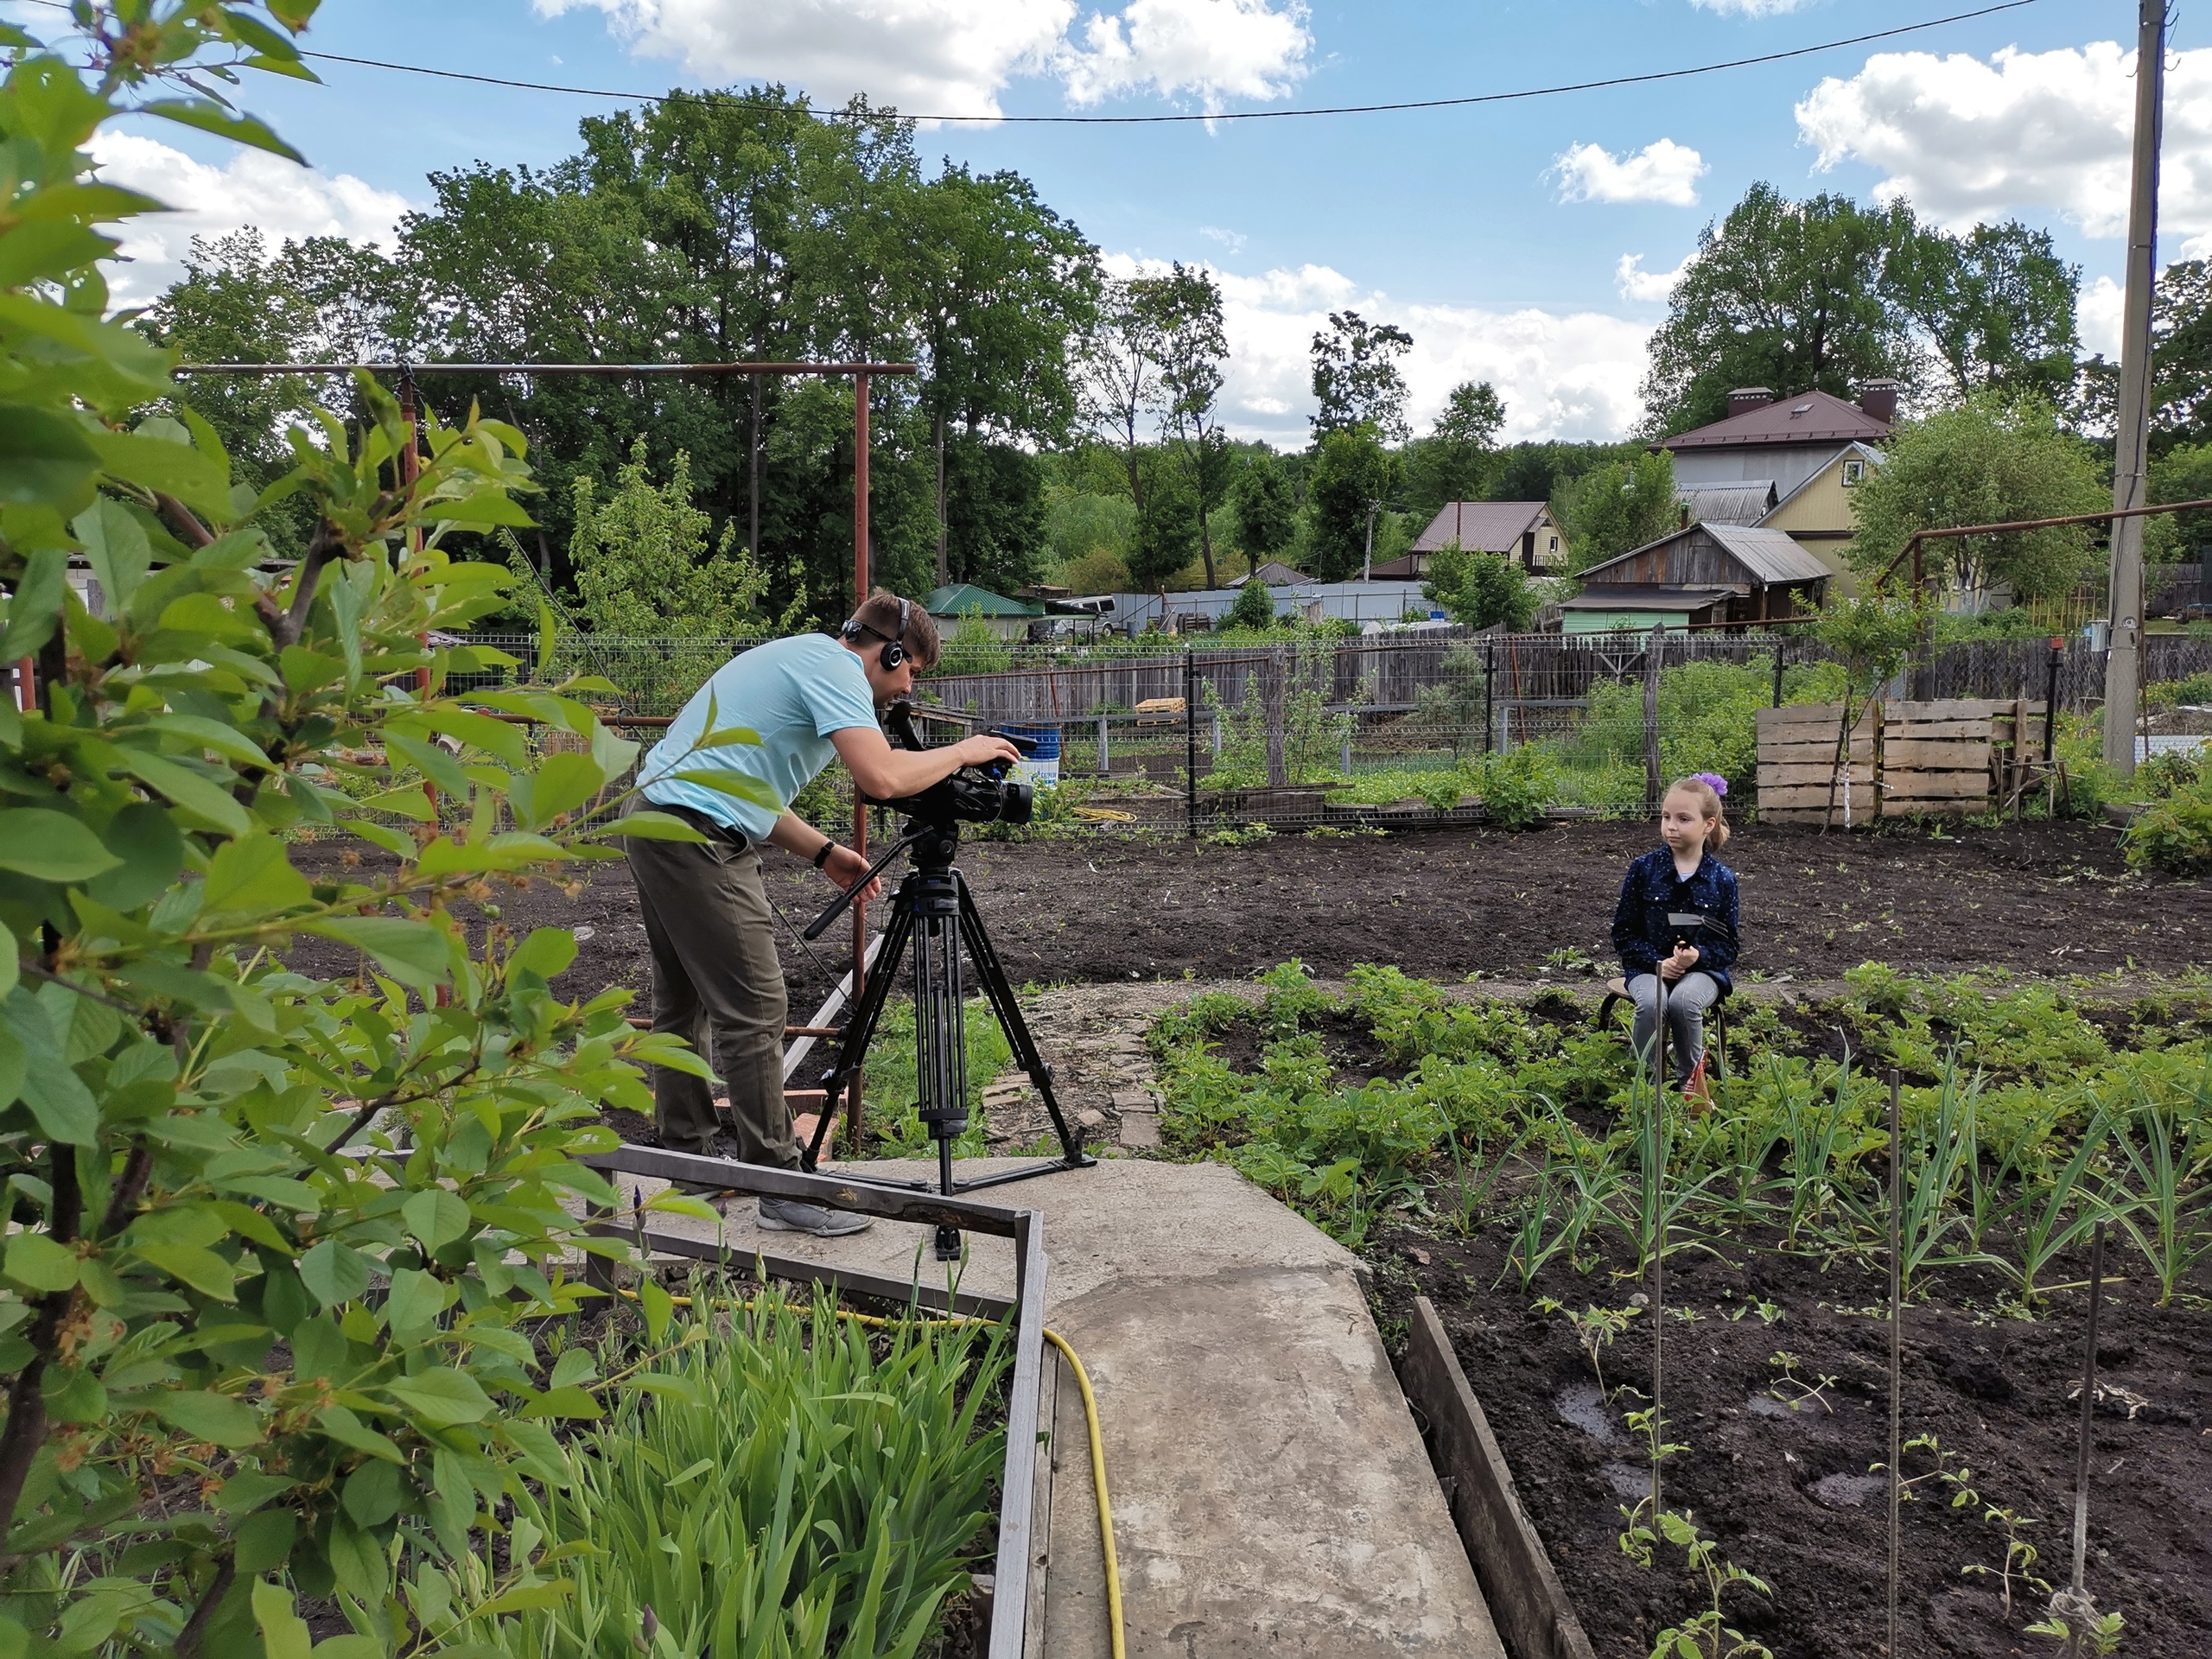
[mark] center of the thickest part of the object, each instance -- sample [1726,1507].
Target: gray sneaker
[790,1216]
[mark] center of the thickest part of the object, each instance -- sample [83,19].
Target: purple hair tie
[1712,780]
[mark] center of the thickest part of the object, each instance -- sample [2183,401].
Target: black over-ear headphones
[894,646]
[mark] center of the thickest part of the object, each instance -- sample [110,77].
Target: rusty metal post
[861,576]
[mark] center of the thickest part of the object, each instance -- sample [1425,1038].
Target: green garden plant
[2081,1637]
[1707,1634]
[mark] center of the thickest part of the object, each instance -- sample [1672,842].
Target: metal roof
[1769,557]
[1480,526]
[1729,504]
[1808,417]
[965,599]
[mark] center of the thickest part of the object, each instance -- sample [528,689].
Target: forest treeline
[1064,425]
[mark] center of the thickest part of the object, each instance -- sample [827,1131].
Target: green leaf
[44,461]
[415,1301]
[659,1306]
[433,762]
[408,802]
[242,1494]
[151,850]
[51,846]
[564,1402]
[436,1216]
[212,734]
[547,952]
[495,737]
[486,508]
[207,801]
[204,1270]
[13,1060]
[284,1634]
[252,876]
[35,609]
[116,543]
[442,1399]
[211,117]
[346,1429]
[564,782]
[728,737]
[56,1094]
[334,1273]
[651,826]
[173,469]
[45,250]
[216,1418]
[525,1596]
[36,1262]
[373,1493]
[414,953]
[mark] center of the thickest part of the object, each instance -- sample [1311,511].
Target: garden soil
[1787,1492]
[2037,898]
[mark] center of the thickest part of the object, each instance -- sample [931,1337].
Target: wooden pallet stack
[1797,763]
[1955,757]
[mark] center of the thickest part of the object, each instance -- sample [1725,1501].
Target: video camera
[971,795]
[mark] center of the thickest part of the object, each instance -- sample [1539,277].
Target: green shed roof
[965,599]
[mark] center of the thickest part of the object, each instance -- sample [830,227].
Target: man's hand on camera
[984,749]
[844,867]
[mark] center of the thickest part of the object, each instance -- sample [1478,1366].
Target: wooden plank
[1809,714]
[1949,709]
[1936,786]
[1934,731]
[1774,778]
[1942,754]
[1862,799]
[1801,754]
[1535,1619]
[1018,1482]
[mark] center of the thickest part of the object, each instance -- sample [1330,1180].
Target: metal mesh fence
[1429,726]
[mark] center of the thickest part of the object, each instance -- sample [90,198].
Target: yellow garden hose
[1115,1633]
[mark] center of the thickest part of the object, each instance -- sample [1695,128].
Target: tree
[1194,345]
[998,539]
[2183,474]
[1167,530]
[1785,295]
[1994,308]
[1255,608]
[210,1147]
[643,568]
[1119,357]
[1352,477]
[1454,463]
[2181,364]
[1992,459]
[1479,589]
[1619,505]
[1267,513]
[1000,283]
[1356,381]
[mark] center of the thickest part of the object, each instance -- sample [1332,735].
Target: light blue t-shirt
[794,693]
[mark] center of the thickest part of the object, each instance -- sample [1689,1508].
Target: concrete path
[1271,1494]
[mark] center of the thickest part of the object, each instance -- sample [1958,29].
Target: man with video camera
[705,905]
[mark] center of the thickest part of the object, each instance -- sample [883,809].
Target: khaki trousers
[716,983]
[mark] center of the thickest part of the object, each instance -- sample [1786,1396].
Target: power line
[1233,115]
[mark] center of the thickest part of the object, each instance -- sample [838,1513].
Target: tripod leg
[1026,1055]
[862,1027]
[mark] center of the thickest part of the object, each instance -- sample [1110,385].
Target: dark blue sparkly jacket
[1651,892]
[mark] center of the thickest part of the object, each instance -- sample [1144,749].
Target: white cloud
[1565,375]
[1750,7]
[1661,171]
[1233,240]
[281,198]
[1632,282]
[2098,317]
[1967,140]
[954,57]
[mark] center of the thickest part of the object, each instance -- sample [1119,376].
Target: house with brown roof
[1523,533]
[1704,574]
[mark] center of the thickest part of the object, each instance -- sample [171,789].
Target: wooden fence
[1951,757]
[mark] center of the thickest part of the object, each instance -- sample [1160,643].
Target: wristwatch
[822,855]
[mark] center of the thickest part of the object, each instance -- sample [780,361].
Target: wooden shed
[1723,573]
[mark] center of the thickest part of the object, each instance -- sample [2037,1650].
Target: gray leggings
[1687,999]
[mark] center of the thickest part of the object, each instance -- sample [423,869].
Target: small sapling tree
[1873,634]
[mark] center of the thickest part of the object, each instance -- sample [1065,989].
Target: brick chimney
[1879,400]
[1745,399]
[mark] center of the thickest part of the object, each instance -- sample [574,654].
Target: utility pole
[2131,450]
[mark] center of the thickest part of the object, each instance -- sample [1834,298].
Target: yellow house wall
[1824,504]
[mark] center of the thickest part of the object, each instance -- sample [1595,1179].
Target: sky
[1531,244]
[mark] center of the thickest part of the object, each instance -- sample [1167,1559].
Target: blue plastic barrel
[1041,765]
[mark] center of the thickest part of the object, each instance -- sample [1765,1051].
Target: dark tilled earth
[2035,898]
[1787,1492]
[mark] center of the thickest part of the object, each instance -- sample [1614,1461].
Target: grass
[783,1483]
[894,1122]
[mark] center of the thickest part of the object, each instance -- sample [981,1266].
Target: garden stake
[1658,1222]
[1896,1345]
[2088,1406]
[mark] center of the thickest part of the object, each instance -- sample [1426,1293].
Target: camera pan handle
[820,924]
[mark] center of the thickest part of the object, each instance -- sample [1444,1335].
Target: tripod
[933,914]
